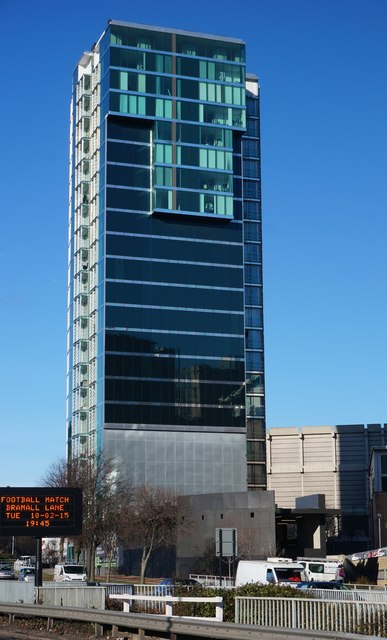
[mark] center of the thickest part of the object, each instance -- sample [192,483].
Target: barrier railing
[161,626]
[329,615]
[168,601]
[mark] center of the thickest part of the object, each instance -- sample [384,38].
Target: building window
[256,474]
[383,472]
[255,428]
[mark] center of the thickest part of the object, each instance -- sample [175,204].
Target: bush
[207,609]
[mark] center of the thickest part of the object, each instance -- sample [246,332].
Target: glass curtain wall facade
[165,321]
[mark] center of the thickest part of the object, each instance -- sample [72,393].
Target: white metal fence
[212,581]
[112,588]
[314,615]
[359,595]
[154,590]
[367,587]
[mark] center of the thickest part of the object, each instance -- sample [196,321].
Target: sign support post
[38,567]
[226,545]
[220,555]
[234,546]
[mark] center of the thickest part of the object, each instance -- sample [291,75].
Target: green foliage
[205,609]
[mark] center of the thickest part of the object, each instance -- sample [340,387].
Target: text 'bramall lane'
[25,509]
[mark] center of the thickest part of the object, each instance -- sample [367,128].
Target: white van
[69,573]
[269,572]
[320,569]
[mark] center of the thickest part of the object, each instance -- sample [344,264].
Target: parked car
[27,574]
[69,573]
[6,572]
[332,585]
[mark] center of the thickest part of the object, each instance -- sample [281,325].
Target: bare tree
[205,558]
[105,500]
[110,544]
[154,520]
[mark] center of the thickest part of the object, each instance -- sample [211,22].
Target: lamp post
[379,517]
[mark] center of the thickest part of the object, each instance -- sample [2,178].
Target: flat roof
[194,34]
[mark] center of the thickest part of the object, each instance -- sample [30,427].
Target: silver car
[6,572]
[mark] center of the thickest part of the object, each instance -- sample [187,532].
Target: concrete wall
[252,513]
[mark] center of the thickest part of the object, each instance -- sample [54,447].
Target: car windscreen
[73,569]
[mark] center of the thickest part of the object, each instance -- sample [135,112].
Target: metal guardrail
[167,627]
[331,615]
[361,613]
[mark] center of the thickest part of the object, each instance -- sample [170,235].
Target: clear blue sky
[322,66]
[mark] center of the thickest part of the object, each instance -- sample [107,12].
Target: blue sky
[323,76]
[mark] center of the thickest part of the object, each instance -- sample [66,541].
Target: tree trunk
[61,550]
[91,563]
[77,550]
[144,562]
[110,559]
[146,552]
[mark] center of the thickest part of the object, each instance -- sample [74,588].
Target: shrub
[199,609]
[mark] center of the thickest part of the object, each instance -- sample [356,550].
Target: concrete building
[165,317]
[378,497]
[329,460]
[252,514]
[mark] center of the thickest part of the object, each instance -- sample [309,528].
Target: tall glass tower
[165,319]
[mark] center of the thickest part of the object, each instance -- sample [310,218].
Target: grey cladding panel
[318,449]
[352,450]
[285,453]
